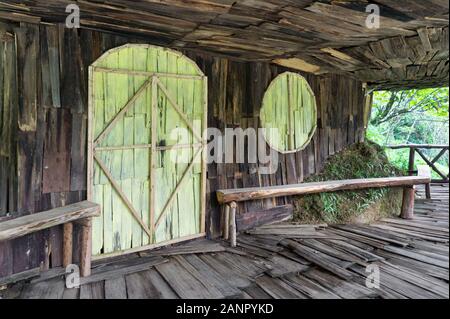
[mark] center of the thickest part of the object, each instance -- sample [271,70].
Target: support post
[232,222]
[408,203]
[428,190]
[425,171]
[67,244]
[86,247]
[226,223]
[412,158]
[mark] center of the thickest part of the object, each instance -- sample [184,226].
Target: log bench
[230,197]
[80,213]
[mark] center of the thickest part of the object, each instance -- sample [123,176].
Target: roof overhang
[409,49]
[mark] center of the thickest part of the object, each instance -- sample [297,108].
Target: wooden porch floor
[280,262]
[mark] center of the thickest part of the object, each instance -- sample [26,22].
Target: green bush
[363,160]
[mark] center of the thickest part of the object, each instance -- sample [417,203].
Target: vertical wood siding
[52,129]
[8,137]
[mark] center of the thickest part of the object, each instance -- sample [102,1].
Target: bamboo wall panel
[235,93]
[133,136]
[289,113]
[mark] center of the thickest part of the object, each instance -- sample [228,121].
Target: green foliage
[363,160]
[389,105]
[411,117]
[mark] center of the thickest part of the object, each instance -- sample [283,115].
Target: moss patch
[362,160]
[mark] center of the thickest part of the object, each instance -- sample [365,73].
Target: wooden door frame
[154,77]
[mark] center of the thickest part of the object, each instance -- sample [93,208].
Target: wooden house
[79,106]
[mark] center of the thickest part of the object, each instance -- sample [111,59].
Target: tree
[390,105]
[410,117]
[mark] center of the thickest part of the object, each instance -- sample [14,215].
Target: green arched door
[149,179]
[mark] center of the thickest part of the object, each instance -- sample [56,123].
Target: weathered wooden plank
[399,286]
[237,279]
[256,292]
[417,256]
[259,218]
[326,262]
[113,271]
[140,287]
[374,234]
[28,50]
[243,194]
[71,293]
[51,289]
[418,279]
[213,277]
[278,289]
[25,275]
[342,288]
[183,283]
[163,288]
[196,247]
[95,290]
[308,287]
[283,266]
[31,223]
[56,157]
[115,288]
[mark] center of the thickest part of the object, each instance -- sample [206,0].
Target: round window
[289,113]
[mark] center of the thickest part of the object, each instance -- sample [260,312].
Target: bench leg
[226,223]
[428,190]
[67,244]
[86,247]
[232,222]
[408,203]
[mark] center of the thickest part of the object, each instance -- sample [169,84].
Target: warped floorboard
[279,261]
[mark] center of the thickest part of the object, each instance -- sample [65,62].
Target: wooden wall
[8,116]
[8,112]
[51,129]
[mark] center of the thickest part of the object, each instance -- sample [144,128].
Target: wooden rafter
[284,32]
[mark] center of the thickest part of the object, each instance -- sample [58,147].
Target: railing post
[67,244]
[428,190]
[86,247]
[412,157]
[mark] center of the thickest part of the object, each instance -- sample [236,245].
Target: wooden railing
[80,213]
[418,149]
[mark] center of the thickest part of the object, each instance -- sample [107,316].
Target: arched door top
[148,57]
